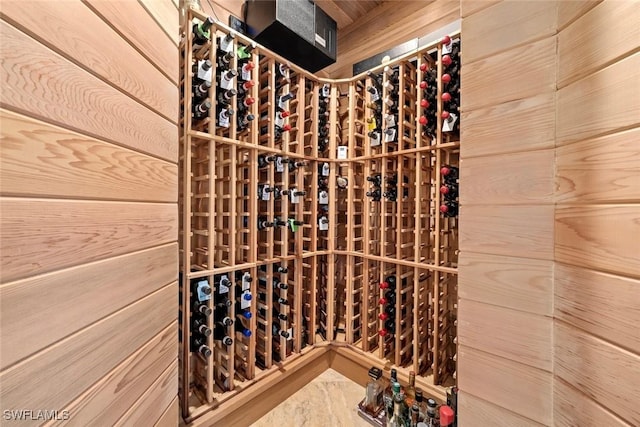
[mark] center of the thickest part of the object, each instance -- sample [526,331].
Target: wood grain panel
[505,25]
[474,411]
[469,7]
[572,408]
[604,372]
[39,159]
[520,125]
[489,81]
[78,33]
[60,373]
[524,390]
[602,304]
[150,407]
[39,236]
[512,334]
[582,49]
[605,169]
[570,10]
[601,103]
[519,231]
[508,179]
[518,283]
[599,237]
[166,15]
[171,416]
[107,400]
[141,31]
[44,84]
[67,299]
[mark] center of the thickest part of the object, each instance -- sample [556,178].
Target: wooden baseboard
[251,404]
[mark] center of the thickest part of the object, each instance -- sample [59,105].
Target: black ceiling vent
[296,29]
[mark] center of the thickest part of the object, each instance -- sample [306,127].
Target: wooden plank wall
[597,217]
[88,210]
[505,311]
[388,25]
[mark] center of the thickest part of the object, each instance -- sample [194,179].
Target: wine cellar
[318,211]
[416,213]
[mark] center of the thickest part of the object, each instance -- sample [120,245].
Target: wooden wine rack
[332,283]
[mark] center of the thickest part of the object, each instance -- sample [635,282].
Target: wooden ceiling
[345,12]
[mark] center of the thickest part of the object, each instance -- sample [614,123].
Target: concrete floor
[329,400]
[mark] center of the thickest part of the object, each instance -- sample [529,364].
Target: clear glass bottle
[410,391]
[415,415]
[388,396]
[373,398]
[422,405]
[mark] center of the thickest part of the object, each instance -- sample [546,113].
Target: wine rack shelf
[314,212]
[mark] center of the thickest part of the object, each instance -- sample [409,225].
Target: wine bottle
[224,321]
[244,121]
[225,96]
[201,90]
[449,191]
[220,334]
[242,329]
[276,314]
[204,66]
[202,32]
[244,89]
[244,313]
[263,223]
[264,160]
[223,304]
[280,269]
[450,173]
[277,222]
[342,183]
[224,117]
[375,179]
[201,109]
[200,345]
[277,331]
[449,208]
[227,76]
[244,51]
[201,308]
[224,61]
[293,165]
[200,326]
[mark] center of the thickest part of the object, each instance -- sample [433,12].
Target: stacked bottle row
[388,403]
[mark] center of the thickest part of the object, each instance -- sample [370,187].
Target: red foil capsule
[424,67]
[445,115]
[382,301]
[423,85]
[446,78]
[446,60]
[382,332]
[446,40]
[384,285]
[444,208]
[446,97]
[383,316]
[423,120]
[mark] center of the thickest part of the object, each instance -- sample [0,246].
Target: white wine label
[390,137]
[202,296]
[325,169]
[202,74]
[448,125]
[226,45]
[342,152]
[326,90]
[446,48]
[279,121]
[223,119]
[246,284]
[282,104]
[375,96]
[290,331]
[266,194]
[223,289]
[323,198]
[226,84]
[245,75]
[323,223]
[390,119]
[374,140]
[245,303]
[294,197]
[279,164]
